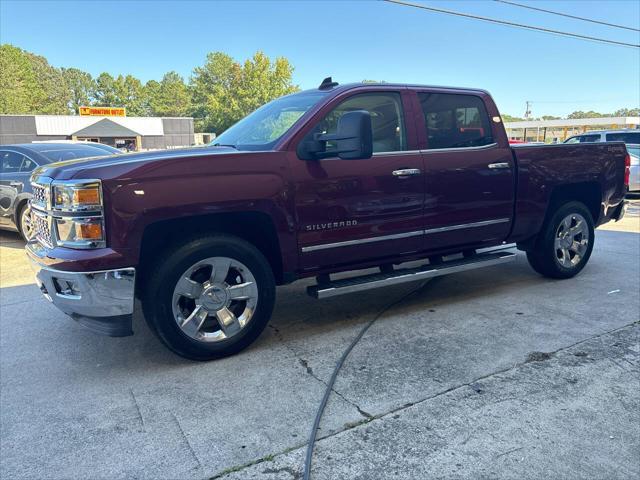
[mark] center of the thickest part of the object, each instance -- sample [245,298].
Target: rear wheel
[565,243]
[210,297]
[24,219]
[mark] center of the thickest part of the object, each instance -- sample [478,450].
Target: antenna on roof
[327,83]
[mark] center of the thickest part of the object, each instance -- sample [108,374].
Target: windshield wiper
[223,145]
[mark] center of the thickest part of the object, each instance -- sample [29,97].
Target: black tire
[550,261]
[23,222]
[158,294]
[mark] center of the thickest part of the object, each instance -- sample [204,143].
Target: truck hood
[69,169]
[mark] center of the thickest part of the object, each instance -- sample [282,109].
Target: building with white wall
[140,133]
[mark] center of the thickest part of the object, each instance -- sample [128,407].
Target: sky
[352,41]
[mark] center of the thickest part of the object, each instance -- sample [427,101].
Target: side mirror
[353,140]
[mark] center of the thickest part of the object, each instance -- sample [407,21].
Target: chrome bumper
[101,301]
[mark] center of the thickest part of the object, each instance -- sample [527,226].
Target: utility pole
[527,111]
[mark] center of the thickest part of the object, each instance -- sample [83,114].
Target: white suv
[627,136]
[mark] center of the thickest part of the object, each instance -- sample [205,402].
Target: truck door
[356,210]
[469,170]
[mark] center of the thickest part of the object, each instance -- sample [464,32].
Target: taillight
[627,169]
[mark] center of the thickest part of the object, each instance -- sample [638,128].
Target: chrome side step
[377,280]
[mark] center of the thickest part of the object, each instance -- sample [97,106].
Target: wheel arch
[588,193]
[255,227]
[20,203]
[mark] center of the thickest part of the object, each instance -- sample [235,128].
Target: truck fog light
[66,287]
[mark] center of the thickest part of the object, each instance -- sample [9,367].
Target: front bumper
[101,301]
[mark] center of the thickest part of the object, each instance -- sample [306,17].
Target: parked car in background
[634,170]
[16,164]
[629,136]
[101,146]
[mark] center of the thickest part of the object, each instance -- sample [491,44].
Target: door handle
[498,165]
[15,184]
[406,172]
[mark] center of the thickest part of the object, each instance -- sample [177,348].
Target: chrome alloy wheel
[571,240]
[26,226]
[214,299]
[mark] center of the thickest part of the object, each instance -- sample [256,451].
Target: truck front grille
[40,206]
[42,228]
[40,195]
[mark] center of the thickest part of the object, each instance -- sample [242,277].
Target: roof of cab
[349,86]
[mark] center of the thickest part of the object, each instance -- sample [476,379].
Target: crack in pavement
[305,364]
[383,415]
[193,452]
[135,401]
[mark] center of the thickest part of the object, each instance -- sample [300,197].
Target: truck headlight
[80,232]
[72,196]
[78,217]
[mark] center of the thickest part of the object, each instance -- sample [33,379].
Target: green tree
[170,97]
[105,93]
[28,84]
[627,112]
[224,91]
[130,93]
[509,118]
[122,91]
[589,114]
[550,117]
[81,87]
[54,97]
[18,84]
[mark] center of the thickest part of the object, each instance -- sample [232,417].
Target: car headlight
[77,196]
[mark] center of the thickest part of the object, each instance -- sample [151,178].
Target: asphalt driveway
[494,373]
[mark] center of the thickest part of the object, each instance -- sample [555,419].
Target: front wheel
[565,242]
[210,297]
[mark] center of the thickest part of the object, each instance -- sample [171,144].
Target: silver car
[634,177]
[627,136]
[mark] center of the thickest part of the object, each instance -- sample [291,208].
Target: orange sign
[103,111]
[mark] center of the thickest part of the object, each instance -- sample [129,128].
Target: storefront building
[131,133]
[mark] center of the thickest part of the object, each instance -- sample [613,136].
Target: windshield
[261,129]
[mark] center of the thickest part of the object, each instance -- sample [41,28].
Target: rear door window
[10,162]
[626,137]
[27,165]
[455,121]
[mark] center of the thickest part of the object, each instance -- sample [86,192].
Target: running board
[377,280]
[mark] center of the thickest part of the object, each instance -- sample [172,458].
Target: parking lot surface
[494,373]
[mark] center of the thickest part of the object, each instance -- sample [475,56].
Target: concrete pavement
[494,373]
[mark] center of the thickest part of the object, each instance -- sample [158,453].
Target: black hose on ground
[334,375]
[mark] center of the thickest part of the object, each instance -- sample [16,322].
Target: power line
[513,24]
[615,25]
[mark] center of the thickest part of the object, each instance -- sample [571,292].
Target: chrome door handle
[406,172]
[498,165]
[15,184]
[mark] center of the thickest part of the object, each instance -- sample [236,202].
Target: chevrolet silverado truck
[392,183]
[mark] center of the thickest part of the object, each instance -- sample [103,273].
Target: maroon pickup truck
[342,178]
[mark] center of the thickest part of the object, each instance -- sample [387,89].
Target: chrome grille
[42,229]
[40,194]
